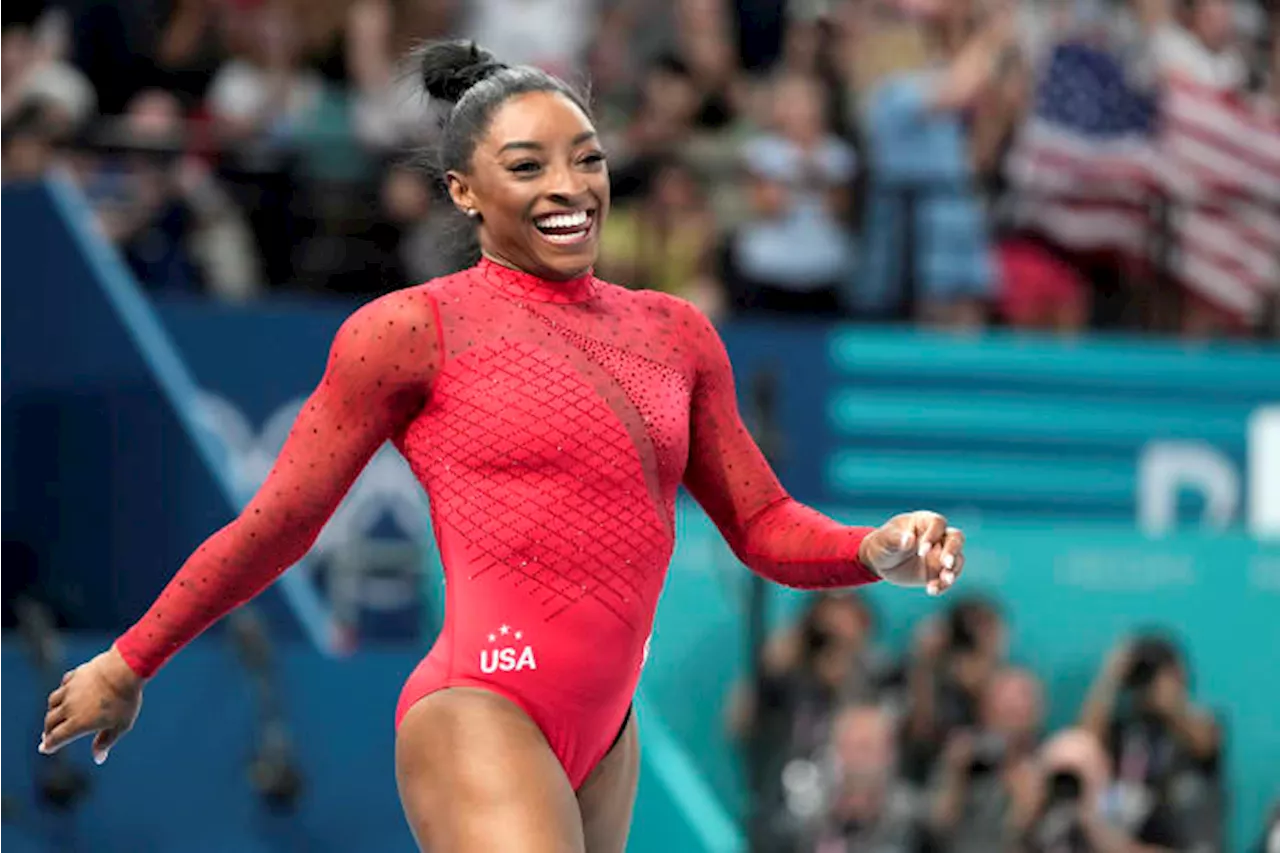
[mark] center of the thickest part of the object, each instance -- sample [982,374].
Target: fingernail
[906,540]
[100,757]
[948,561]
[948,577]
[931,588]
[40,749]
[924,548]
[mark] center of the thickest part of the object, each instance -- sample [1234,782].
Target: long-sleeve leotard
[551,424]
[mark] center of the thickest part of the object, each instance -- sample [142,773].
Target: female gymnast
[550,417]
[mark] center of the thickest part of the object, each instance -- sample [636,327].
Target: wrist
[124,672]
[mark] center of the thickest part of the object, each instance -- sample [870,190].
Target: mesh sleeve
[773,534]
[380,369]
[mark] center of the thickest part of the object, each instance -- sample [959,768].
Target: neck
[520,284]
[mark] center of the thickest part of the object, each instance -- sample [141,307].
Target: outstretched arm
[379,373]
[773,534]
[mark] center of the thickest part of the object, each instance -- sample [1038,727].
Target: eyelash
[529,167]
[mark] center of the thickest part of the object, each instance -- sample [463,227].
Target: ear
[461,193]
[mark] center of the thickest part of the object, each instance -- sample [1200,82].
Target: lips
[565,227]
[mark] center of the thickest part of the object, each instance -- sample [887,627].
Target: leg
[607,797]
[476,775]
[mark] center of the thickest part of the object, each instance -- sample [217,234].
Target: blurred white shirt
[550,34]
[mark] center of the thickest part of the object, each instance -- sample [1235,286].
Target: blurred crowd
[951,162]
[948,749]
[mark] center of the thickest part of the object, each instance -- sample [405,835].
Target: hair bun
[450,68]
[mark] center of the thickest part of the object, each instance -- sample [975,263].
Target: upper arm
[726,473]
[378,376]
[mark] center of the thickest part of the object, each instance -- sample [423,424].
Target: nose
[566,185]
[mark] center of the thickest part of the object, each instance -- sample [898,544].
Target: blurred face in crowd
[864,745]
[1213,22]
[799,110]
[26,155]
[16,52]
[1167,692]
[1012,706]
[539,183]
[670,95]
[676,189]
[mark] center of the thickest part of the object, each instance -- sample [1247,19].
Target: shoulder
[400,309]
[664,310]
[395,335]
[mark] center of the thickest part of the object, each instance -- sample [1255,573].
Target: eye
[524,167]
[595,158]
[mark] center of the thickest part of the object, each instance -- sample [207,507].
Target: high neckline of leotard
[522,285]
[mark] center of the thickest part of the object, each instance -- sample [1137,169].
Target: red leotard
[551,424]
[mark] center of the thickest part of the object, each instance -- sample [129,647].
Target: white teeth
[563,220]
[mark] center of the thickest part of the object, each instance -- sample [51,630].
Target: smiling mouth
[566,228]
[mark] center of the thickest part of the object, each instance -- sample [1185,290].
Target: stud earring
[472,212]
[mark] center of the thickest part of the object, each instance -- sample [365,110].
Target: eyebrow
[537,146]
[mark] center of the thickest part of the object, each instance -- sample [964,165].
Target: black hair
[474,83]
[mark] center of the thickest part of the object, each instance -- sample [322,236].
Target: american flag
[1099,152]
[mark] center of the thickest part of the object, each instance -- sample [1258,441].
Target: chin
[564,262]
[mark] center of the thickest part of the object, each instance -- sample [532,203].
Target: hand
[915,549]
[102,696]
[1119,662]
[958,754]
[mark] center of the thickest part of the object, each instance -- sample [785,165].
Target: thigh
[608,797]
[476,775]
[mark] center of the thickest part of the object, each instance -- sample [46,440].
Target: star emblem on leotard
[505,632]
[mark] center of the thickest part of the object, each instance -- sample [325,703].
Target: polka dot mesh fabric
[551,424]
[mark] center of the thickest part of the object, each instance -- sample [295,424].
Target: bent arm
[773,534]
[379,374]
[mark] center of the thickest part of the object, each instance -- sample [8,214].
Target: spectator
[869,809]
[951,662]
[1165,749]
[986,787]
[554,35]
[794,250]
[665,241]
[657,130]
[912,97]
[1069,814]
[36,76]
[266,94]
[808,673]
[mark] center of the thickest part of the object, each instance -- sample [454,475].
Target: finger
[56,697]
[103,742]
[930,529]
[67,676]
[55,717]
[931,564]
[68,731]
[952,556]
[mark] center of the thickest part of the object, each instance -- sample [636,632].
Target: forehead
[547,118]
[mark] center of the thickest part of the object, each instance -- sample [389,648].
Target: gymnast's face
[540,185]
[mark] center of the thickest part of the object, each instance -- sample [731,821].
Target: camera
[1058,827]
[1150,656]
[988,755]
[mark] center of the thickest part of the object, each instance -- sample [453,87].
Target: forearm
[944,814]
[1099,704]
[230,568]
[799,547]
